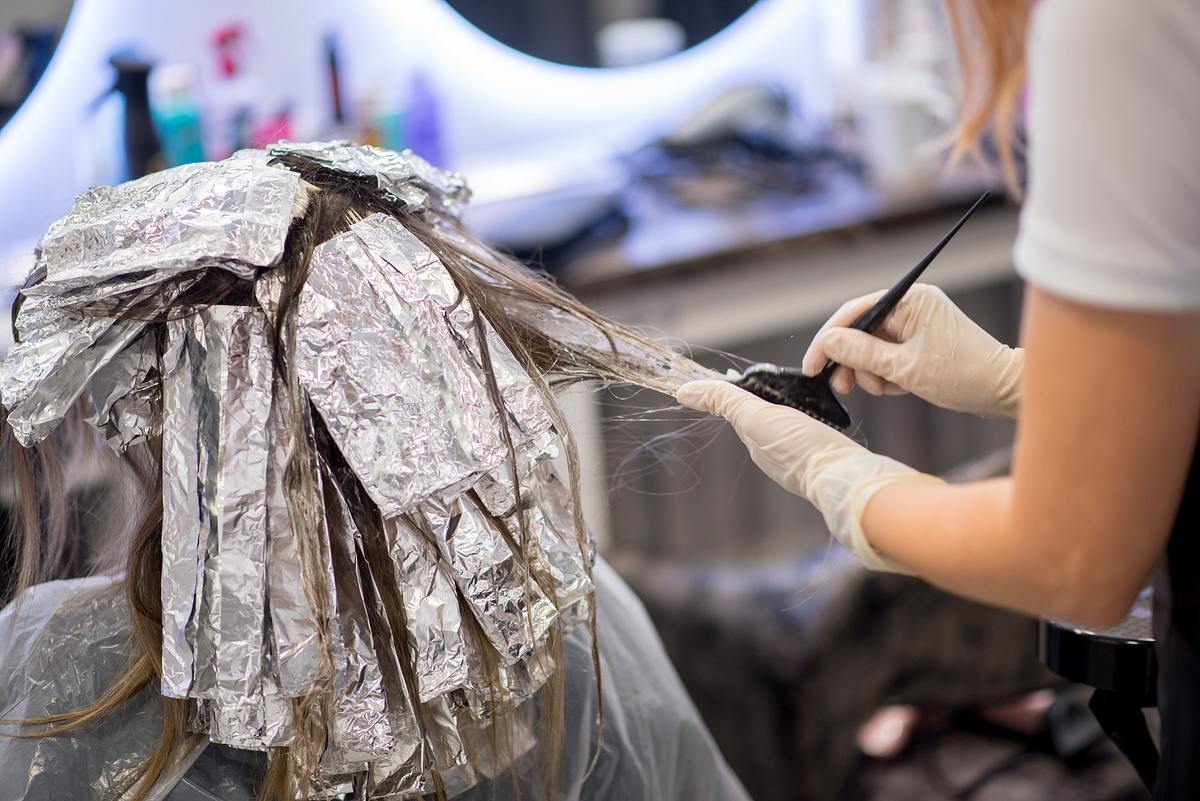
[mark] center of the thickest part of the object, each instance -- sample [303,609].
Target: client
[348,567]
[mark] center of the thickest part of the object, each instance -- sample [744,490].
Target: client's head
[346,542]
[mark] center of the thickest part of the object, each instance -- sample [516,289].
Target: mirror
[600,33]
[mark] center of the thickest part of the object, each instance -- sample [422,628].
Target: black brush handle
[872,318]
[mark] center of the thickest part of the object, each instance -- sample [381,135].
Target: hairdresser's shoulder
[1109,29]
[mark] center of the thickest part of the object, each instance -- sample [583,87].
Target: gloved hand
[928,347]
[807,458]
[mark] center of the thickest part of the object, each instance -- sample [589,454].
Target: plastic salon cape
[64,642]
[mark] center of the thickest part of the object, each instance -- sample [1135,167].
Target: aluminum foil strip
[263,720]
[294,639]
[42,378]
[47,340]
[361,721]
[396,777]
[217,449]
[511,608]
[436,638]
[418,275]
[557,543]
[555,556]
[442,735]
[335,768]
[497,489]
[459,779]
[403,176]
[523,679]
[117,381]
[557,562]
[441,749]
[238,726]
[405,409]
[184,540]
[132,418]
[197,715]
[60,352]
[276,710]
[324,547]
[516,684]
[214,337]
[406,735]
[526,408]
[244,374]
[229,214]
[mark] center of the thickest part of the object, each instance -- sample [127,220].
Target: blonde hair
[989,36]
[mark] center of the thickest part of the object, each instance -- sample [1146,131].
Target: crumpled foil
[558,562]
[511,608]
[182,543]
[440,747]
[294,641]
[216,404]
[403,177]
[428,566]
[417,275]
[228,214]
[122,394]
[396,379]
[362,727]
[139,242]
[437,642]
[42,378]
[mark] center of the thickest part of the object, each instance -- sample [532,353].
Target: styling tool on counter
[814,395]
[143,148]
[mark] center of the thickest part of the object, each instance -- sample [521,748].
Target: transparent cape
[390,386]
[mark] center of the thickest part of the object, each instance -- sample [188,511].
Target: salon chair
[1120,664]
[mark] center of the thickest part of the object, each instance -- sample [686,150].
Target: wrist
[1008,385]
[847,495]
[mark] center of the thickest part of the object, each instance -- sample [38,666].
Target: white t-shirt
[1112,216]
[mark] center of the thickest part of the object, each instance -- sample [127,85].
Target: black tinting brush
[814,395]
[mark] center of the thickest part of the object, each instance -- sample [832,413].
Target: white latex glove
[808,458]
[926,346]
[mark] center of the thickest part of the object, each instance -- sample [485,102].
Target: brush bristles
[761,380]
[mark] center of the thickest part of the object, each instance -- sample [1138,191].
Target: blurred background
[723,172]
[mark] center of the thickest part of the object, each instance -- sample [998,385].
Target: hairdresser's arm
[1109,414]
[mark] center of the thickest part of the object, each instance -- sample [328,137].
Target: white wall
[496,102]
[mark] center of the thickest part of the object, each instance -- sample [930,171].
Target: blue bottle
[423,122]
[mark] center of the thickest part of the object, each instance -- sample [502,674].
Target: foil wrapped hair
[359,504]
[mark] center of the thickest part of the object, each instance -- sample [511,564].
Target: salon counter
[793,244]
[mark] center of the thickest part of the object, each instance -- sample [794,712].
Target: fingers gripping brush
[814,395]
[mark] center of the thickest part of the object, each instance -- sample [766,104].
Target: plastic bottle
[423,120]
[177,114]
[143,151]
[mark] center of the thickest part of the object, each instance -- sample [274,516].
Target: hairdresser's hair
[503,293]
[989,36]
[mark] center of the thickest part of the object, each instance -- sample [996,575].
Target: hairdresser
[1104,492]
